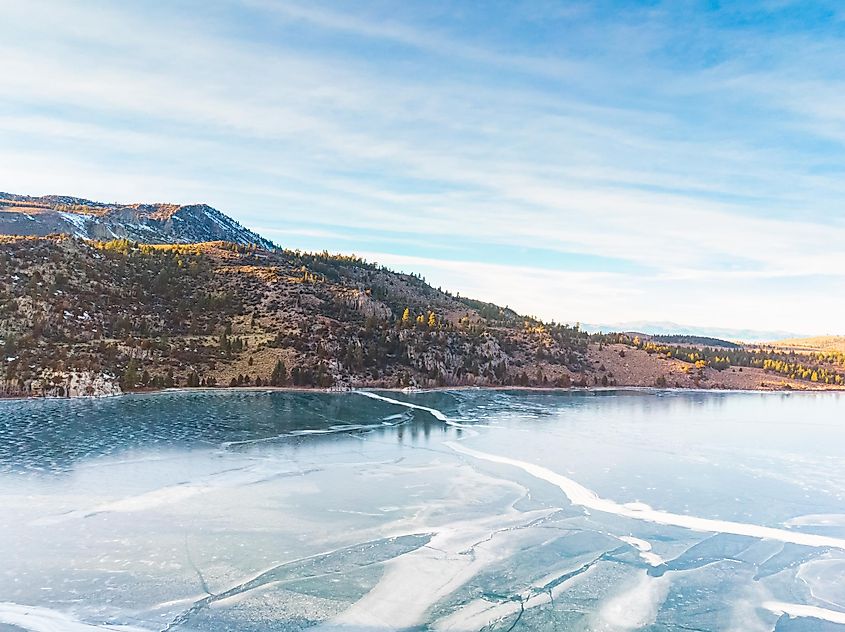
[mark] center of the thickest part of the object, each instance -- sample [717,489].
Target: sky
[601,162]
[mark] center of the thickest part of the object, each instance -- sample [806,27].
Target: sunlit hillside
[826,344]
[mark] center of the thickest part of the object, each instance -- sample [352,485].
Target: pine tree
[279,376]
[129,379]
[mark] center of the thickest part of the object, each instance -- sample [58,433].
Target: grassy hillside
[825,344]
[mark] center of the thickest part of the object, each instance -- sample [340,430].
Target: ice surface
[635,607]
[46,620]
[414,582]
[580,495]
[207,510]
[801,610]
[433,411]
[644,548]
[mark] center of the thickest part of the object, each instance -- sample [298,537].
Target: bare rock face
[450,359]
[143,223]
[86,384]
[366,305]
[77,384]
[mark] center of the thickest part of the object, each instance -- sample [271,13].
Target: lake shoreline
[539,389]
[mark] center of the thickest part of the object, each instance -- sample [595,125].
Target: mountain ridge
[148,223]
[666,328]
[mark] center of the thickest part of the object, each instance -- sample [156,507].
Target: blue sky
[579,161]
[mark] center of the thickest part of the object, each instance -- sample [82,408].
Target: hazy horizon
[605,163]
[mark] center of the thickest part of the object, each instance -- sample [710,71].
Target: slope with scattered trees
[88,317]
[221,314]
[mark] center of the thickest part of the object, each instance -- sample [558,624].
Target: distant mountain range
[674,329]
[143,223]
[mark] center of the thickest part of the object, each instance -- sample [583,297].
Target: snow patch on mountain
[145,223]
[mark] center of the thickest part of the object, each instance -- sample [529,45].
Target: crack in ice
[270,576]
[433,411]
[415,581]
[584,497]
[490,609]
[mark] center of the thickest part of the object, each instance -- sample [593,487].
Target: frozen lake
[453,510]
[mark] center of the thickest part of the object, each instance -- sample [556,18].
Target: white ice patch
[581,496]
[817,520]
[415,581]
[634,608]
[436,413]
[45,620]
[801,610]
[644,548]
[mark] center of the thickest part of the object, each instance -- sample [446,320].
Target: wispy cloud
[429,41]
[702,150]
